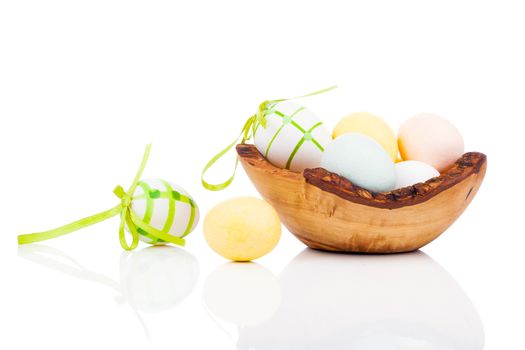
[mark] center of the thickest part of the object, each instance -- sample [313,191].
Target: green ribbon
[247,132]
[127,217]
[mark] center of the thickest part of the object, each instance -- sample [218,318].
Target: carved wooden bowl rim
[468,164]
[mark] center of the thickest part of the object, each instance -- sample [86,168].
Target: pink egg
[431,139]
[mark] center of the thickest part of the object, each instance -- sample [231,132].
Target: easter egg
[294,138]
[411,172]
[166,207]
[361,160]
[369,125]
[242,229]
[431,139]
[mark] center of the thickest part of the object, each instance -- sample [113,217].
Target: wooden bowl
[326,211]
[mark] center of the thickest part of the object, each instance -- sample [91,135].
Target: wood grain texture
[326,211]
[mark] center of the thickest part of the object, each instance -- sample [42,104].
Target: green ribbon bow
[127,217]
[247,132]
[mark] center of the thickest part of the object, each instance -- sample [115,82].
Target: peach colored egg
[431,139]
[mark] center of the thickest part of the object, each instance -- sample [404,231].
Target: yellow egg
[242,229]
[369,125]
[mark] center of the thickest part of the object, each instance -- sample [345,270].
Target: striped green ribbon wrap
[246,134]
[123,209]
[150,195]
[307,134]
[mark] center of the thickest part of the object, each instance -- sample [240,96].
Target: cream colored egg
[242,229]
[411,172]
[294,138]
[166,207]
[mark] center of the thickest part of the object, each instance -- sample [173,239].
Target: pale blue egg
[361,160]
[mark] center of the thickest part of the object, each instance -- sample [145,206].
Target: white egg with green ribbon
[154,211]
[294,138]
[166,207]
[288,135]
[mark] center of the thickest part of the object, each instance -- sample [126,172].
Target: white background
[84,85]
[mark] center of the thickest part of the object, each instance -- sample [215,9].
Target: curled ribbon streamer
[247,132]
[127,217]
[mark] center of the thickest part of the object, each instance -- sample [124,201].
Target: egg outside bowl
[326,211]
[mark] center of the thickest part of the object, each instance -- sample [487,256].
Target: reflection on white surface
[157,278]
[245,294]
[151,279]
[336,301]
